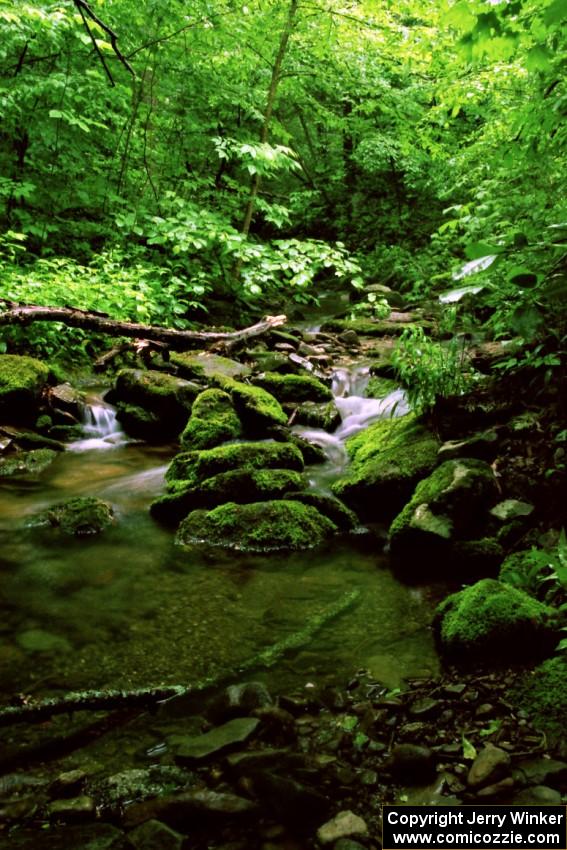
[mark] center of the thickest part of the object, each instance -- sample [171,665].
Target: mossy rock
[141,423]
[237,485]
[379,388]
[81,517]
[542,693]
[329,506]
[450,505]
[387,461]
[478,558]
[293,388]
[190,468]
[272,361]
[168,398]
[197,365]
[67,433]
[494,622]
[314,415]
[31,440]
[213,421]
[26,463]
[518,568]
[22,380]
[370,327]
[257,409]
[312,453]
[257,527]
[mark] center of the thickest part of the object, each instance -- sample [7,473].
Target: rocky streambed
[307,523]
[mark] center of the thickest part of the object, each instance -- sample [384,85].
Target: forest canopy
[156,159]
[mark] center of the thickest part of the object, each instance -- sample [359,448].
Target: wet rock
[490,765]
[196,365]
[451,505]
[26,463]
[213,421]
[181,810]
[268,759]
[316,415]
[139,784]
[387,461]
[542,771]
[293,388]
[511,509]
[81,517]
[22,380]
[141,423]
[343,825]
[68,784]
[191,749]
[349,338]
[490,620]
[30,440]
[154,835]
[425,708]
[164,399]
[66,398]
[257,527]
[96,836]
[412,763]
[74,810]
[294,803]
[239,700]
[537,795]
[482,446]
[497,789]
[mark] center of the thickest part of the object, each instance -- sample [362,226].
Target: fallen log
[24,314]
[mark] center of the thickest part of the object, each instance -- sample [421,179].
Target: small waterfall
[357,413]
[101,428]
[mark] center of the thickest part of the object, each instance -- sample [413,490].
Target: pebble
[490,765]
[343,825]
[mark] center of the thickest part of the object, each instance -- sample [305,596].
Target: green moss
[368,327]
[329,506]
[140,423]
[258,410]
[81,516]
[387,461]
[26,463]
[260,526]
[213,421]
[294,388]
[194,467]
[21,382]
[31,440]
[494,621]
[315,415]
[202,364]
[238,485]
[520,568]
[379,388]
[543,694]
[154,390]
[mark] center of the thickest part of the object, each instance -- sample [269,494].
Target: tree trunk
[25,314]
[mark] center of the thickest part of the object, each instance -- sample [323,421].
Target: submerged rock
[387,461]
[190,468]
[293,388]
[491,621]
[450,505]
[22,380]
[82,516]
[237,485]
[257,527]
[213,421]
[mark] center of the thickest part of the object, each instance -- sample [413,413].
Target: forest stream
[130,609]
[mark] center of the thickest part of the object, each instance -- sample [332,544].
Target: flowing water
[128,608]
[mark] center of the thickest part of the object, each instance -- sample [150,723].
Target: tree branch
[84,8]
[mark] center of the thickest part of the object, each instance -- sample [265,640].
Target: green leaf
[538,58]
[555,13]
[469,751]
[461,17]
[478,250]
[523,277]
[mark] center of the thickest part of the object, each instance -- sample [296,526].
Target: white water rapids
[102,429]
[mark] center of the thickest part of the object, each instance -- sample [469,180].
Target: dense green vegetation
[157,161]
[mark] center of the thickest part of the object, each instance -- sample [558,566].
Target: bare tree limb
[85,9]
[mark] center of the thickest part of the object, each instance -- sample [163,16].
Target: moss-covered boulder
[543,694]
[141,423]
[494,622]
[257,409]
[199,365]
[213,421]
[450,505]
[237,485]
[387,461]
[190,468]
[316,415]
[371,327]
[329,506]
[166,398]
[81,517]
[257,527]
[22,380]
[293,388]
[26,463]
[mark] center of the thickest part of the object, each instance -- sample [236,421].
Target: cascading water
[101,428]
[357,412]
